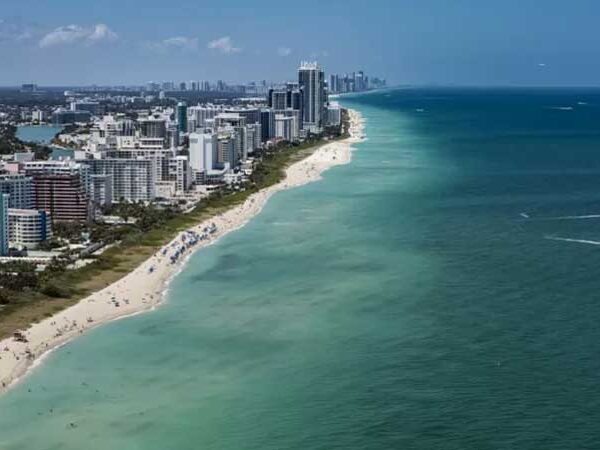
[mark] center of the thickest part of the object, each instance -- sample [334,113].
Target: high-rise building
[277,98]
[38,168]
[4,224]
[182,117]
[267,124]
[234,119]
[20,189]
[287,124]
[28,227]
[311,79]
[333,86]
[251,115]
[153,127]
[38,115]
[226,149]
[334,114]
[100,190]
[63,117]
[132,180]
[173,135]
[179,172]
[203,150]
[63,196]
[94,108]
[198,115]
[254,137]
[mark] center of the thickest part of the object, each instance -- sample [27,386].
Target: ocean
[439,292]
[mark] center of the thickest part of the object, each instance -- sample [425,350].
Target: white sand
[143,289]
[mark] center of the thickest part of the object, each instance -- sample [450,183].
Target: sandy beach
[144,288]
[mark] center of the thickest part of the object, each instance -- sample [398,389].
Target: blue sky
[468,42]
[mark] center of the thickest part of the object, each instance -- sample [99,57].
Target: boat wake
[583,217]
[577,241]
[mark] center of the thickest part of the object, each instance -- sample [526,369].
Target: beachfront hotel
[63,196]
[132,180]
[28,227]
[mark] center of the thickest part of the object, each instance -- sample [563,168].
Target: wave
[578,241]
[582,217]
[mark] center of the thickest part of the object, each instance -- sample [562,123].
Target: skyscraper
[277,98]
[333,86]
[202,150]
[4,236]
[182,117]
[311,79]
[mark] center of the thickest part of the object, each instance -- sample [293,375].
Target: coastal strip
[144,288]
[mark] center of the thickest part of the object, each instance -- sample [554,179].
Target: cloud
[71,34]
[284,51]
[102,33]
[174,43]
[223,45]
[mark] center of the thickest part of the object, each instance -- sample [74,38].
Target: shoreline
[146,287]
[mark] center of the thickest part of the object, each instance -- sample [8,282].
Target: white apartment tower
[202,150]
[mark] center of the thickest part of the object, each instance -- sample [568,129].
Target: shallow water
[419,298]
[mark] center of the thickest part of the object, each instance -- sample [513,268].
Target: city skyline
[427,42]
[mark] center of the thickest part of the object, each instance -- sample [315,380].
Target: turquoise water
[417,298]
[40,134]
[43,135]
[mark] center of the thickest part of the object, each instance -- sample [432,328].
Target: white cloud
[175,43]
[284,51]
[102,33]
[71,34]
[223,45]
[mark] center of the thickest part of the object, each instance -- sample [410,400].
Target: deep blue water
[440,292]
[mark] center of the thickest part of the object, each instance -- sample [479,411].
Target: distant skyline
[463,42]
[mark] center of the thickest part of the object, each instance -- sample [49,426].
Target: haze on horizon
[463,42]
